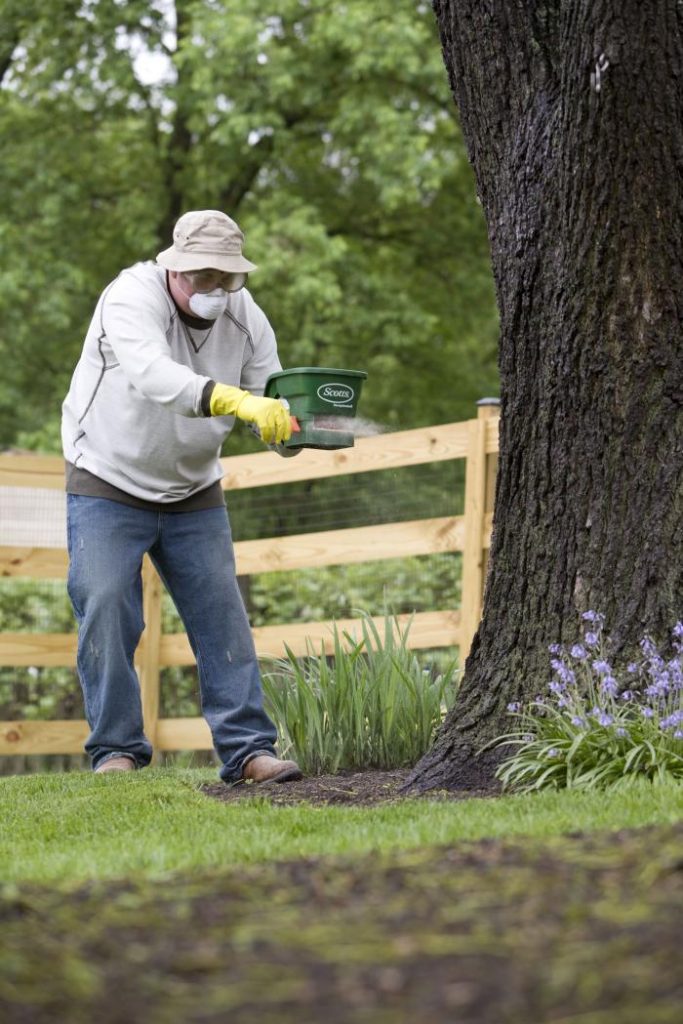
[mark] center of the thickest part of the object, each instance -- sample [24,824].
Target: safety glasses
[207,280]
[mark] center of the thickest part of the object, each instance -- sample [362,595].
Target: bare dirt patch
[353,789]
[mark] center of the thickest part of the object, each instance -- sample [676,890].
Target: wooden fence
[474,440]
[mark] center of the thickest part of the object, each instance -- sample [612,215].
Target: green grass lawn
[77,827]
[135,897]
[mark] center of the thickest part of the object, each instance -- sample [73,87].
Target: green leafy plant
[594,728]
[371,704]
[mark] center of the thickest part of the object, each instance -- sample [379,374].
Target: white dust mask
[208,305]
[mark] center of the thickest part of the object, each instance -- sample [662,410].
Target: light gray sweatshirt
[133,414]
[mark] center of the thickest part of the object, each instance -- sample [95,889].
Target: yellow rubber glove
[268,414]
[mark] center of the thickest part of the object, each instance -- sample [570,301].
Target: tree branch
[8,44]
[232,196]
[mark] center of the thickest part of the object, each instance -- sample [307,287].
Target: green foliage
[39,693]
[594,729]
[328,131]
[407,585]
[371,705]
[28,604]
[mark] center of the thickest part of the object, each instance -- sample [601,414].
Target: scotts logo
[336,394]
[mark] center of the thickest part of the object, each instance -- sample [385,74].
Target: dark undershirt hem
[80,481]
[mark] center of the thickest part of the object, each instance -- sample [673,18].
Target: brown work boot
[265,768]
[116,764]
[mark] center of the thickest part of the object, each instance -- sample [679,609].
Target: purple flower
[601,716]
[514,706]
[676,671]
[602,667]
[553,752]
[678,735]
[609,685]
[579,722]
[678,630]
[563,671]
[656,662]
[632,668]
[579,652]
[556,687]
[592,639]
[555,649]
[647,712]
[672,721]
[621,731]
[627,695]
[591,616]
[660,687]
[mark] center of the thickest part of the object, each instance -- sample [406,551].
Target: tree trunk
[573,116]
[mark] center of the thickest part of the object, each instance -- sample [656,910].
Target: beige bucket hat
[206,239]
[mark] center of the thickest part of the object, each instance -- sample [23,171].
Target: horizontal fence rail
[475,441]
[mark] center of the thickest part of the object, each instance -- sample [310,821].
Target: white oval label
[336,394]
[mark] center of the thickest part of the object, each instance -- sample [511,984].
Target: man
[175,352]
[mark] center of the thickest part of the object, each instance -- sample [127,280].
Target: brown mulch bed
[353,789]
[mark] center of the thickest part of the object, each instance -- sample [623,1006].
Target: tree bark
[572,113]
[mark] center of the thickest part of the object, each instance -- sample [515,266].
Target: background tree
[572,115]
[327,130]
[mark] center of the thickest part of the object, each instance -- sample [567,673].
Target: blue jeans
[193,554]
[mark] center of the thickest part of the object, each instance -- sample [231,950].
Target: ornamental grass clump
[599,725]
[371,704]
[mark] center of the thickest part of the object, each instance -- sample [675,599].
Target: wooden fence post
[479,484]
[149,649]
[489,408]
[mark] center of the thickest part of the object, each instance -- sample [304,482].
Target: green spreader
[323,402]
